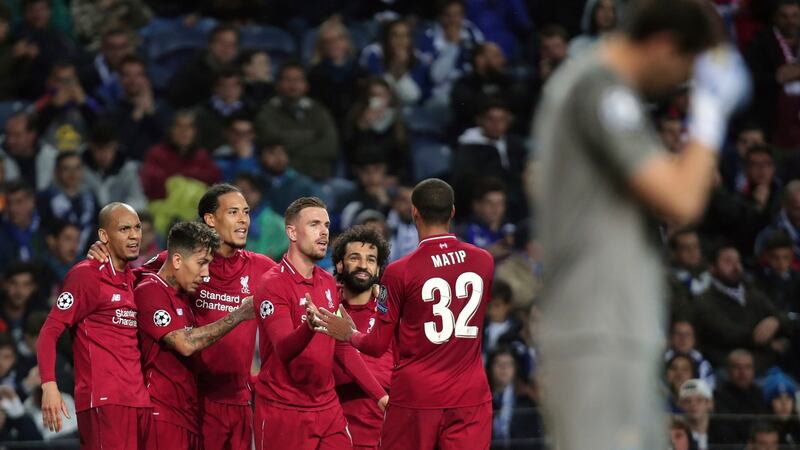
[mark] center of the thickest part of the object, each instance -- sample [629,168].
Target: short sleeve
[617,126]
[78,295]
[388,305]
[158,316]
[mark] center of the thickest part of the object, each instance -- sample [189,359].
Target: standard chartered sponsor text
[125,317]
[231,302]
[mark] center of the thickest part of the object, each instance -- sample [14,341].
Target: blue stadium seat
[11,107]
[430,157]
[168,47]
[279,44]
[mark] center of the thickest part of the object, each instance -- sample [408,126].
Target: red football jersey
[97,305]
[306,382]
[224,368]
[169,376]
[436,297]
[364,418]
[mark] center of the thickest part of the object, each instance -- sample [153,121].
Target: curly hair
[361,233]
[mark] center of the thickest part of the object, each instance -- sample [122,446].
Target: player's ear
[208,218]
[339,267]
[291,232]
[177,260]
[452,212]
[102,235]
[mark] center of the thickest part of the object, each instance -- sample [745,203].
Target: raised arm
[188,341]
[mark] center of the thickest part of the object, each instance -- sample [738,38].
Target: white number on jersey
[442,307]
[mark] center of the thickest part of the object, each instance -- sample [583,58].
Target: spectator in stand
[488,79]
[372,192]
[282,183]
[68,198]
[21,235]
[682,342]
[449,45]
[238,154]
[780,394]
[678,370]
[65,111]
[402,232]
[150,245]
[192,83]
[762,188]
[501,327]
[375,129]
[487,226]
[763,436]
[514,411]
[697,402]
[553,50]
[140,118]
[16,59]
[680,435]
[226,100]
[15,423]
[733,315]
[109,172]
[21,297]
[303,125]
[395,58]
[29,158]
[778,279]
[773,61]
[51,44]
[686,261]
[490,150]
[599,17]
[178,155]
[506,22]
[787,220]
[522,268]
[266,234]
[257,75]
[63,239]
[100,76]
[732,161]
[91,18]
[739,394]
[334,72]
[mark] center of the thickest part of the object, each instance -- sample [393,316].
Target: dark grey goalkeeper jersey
[603,283]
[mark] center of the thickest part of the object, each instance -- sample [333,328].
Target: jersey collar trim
[296,275]
[436,238]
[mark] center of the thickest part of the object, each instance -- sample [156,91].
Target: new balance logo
[116,298]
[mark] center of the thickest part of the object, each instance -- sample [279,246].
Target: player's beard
[356,285]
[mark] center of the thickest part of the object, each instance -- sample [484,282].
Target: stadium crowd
[150,102]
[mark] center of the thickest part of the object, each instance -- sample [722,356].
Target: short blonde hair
[332,25]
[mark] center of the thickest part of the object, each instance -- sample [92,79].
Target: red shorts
[442,429]
[291,429]
[114,427]
[225,426]
[166,436]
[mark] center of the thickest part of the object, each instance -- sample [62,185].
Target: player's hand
[246,308]
[99,251]
[52,407]
[338,326]
[721,84]
[312,313]
[383,402]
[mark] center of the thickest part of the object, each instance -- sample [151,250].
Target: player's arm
[348,359]
[287,340]
[187,341]
[678,187]
[340,327]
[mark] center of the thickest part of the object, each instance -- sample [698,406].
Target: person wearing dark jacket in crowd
[777,278]
[226,100]
[739,394]
[515,414]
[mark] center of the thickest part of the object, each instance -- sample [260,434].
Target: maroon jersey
[169,376]
[224,368]
[97,305]
[434,302]
[364,418]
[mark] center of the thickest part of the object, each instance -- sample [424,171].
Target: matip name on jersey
[449,258]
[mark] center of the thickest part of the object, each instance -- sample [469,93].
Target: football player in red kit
[296,403]
[170,335]
[97,305]
[224,369]
[359,255]
[434,303]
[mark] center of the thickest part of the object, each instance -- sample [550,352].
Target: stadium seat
[430,157]
[277,43]
[168,47]
[10,107]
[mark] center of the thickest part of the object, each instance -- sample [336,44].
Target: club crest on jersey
[380,301]
[266,309]
[116,298]
[65,301]
[161,318]
[329,297]
[371,324]
[245,280]
[179,311]
[206,279]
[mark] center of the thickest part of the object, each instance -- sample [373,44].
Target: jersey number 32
[442,307]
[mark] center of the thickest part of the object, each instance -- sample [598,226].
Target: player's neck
[621,56]
[301,263]
[425,231]
[225,250]
[167,274]
[357,299]
[118,263]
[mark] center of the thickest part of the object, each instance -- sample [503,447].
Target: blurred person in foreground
[593,125]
